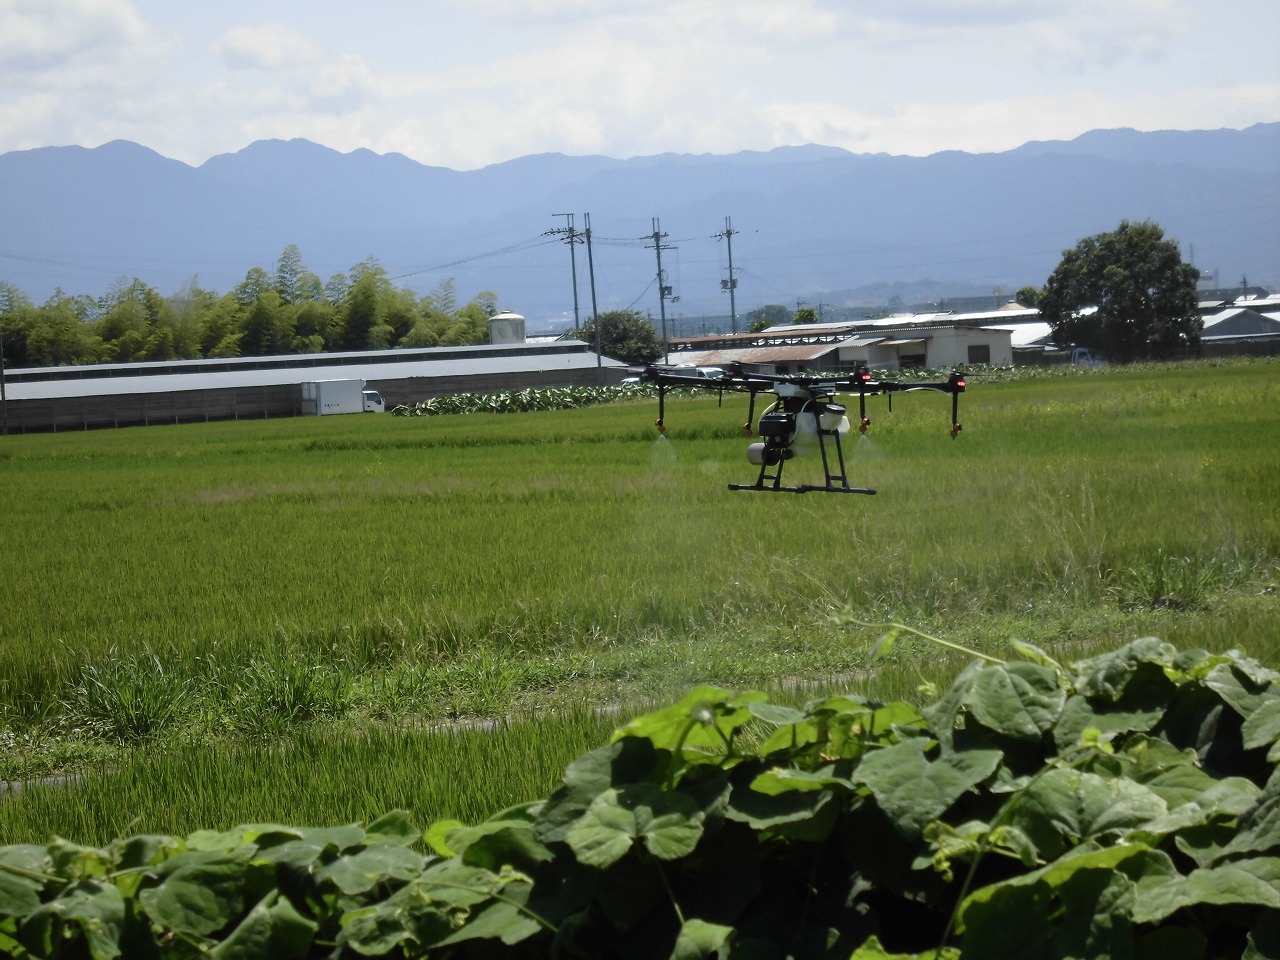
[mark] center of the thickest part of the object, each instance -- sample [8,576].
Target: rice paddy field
[318,620]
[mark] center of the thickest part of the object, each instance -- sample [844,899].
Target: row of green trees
[1126,294]
[288,311]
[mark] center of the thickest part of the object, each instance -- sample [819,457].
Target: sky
[468,83]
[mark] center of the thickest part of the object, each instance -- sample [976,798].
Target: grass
[243,585]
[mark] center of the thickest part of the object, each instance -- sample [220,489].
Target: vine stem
[893,629]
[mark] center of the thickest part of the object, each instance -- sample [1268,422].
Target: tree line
[289,310]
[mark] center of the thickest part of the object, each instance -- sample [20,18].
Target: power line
[514,248]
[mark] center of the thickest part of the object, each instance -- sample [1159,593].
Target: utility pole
[571,237]
[664,291]
[731,284]
[595,313]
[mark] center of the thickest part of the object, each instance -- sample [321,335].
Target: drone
[803,416]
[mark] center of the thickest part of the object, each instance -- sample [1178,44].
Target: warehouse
[118,395]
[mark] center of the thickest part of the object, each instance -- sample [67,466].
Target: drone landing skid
[836,482]
[805,488]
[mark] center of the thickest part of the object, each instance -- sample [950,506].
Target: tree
[1028,296]
[1142,294]
[806,315]
[624,335]
[770,315]
[293,281]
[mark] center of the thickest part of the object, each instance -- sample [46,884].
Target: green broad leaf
[891,718]
[91,911]
[792,737]
[1216,886]
[1241,693]
[626,761]
[497,843]
[669,825]
[24,870]
[1266,869]
[1258,674]
[1258,831]
[358,873]
[784,779]
[199,893]
[237,837]
[437,836]
[1262,727]
[699,940]
[1018,700]
[1218,800]
[1079,714]
[376,931]
[762,811]
[1084,914]
[776,714]
[1204,844]
[393,827]
[872,950]
[273,929]
[1036,655]
[943,714]
[75,862]
[913,790]
[1064,807]
[505,918]
[144,851]
[1107,675]
[703,720]
[19,894]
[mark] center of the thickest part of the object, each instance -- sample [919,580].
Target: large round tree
[624,335]
[1125,294]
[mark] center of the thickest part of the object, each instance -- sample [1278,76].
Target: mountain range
[808,224]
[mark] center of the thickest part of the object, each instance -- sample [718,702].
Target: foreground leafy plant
[1127,805]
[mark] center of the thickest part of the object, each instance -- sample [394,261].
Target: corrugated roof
[1024,334]
[774,354]
[372,371]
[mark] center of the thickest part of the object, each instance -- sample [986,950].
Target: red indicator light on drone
[866,422]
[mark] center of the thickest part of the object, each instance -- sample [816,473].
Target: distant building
[932,341]
[184,391]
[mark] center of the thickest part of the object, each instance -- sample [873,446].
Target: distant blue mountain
[811,223]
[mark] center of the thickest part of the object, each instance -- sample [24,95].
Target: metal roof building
[929,340]
[110,395]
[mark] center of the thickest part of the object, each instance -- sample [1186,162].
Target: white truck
[320,397]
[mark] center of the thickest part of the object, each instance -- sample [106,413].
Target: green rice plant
[581,553]
[129,698]
[1161,579]
[312,775]
[285,691]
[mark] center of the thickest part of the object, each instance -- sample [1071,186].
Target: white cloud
[270,47]
[464,83]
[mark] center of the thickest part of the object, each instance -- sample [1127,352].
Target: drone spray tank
[795,424]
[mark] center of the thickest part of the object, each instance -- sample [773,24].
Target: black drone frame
[799,397]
